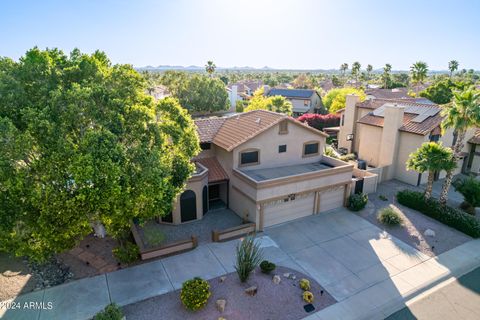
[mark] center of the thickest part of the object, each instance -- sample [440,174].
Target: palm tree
[452,66]
[369,70]
[210,67]
[431,157]
[462,114]
[419,71]
[386,75]
[356,69]
[344,68]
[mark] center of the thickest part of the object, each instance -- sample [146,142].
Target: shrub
[320,121]
[330,152]
[357,202]
[382,197]
[305,284]
[153,236]
[267,266]
[111,312]
[470,190]
[389,217]
[249,256]
[308,297]
[127,253]
[347,157]
[452,217]
[195,293]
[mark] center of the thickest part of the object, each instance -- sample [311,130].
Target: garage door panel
[331,199]
[279,212]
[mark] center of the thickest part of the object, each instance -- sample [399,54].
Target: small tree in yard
[431,157]
[249,256]
[470,190]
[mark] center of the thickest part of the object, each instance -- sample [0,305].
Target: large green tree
[81,143]
[419,71]
[461,115]
[431,157]
[356,69]
[453,66]
[386,75]
[275,103]
[335,99]
[441,92]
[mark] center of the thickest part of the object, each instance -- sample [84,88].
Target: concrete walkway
[368,271]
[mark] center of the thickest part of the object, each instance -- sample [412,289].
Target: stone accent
[220,304]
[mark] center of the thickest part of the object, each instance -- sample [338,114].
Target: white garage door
[281,211]
[331,199]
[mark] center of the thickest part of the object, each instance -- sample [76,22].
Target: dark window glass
[282,148]
[311,148]
[205,145]
[435,138]
[249,157]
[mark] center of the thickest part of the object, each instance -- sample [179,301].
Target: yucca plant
[249,256]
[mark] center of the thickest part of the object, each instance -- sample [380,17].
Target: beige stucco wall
[243,206]
[369,144]
[196,185]
[267,142]
[299,105]
[408,143]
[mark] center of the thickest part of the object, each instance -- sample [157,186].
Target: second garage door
[331,199]
[282,211]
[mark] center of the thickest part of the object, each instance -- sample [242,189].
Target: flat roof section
[285,171]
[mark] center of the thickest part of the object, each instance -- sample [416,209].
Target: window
[283,127]
[343,119]
[306,103]
[205,145]
[434,138]
[282,148]
[249,158]
[310,149]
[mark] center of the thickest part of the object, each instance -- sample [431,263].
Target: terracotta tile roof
[377,103]
[476,138]
[208,128]
[421,128]
[380,93]
[215,170]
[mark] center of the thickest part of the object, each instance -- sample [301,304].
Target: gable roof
[292,93]
[208,128]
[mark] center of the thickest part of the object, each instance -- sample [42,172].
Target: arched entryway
[205,199]
[188,206]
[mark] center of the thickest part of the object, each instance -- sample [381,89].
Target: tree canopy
[80,143]
[275,103]
[441,92]
[335,99]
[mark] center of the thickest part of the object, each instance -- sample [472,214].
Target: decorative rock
[221,305]
[223,278]
[221,318]
[293,277]
[276,279]
[286,275]
[429,233]
[251,291]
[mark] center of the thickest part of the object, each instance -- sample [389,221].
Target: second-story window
[282,148]
[310,148]
[249,157]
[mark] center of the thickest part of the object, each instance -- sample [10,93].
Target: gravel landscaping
[412,230]
[272,301]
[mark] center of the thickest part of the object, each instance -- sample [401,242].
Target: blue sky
[304,34]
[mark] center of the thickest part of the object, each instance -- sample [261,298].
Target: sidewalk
[83,298]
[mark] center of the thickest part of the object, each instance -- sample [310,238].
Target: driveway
[361,266]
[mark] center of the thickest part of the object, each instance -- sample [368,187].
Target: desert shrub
[330,152]
[452,217]
[308,297]
[267,266]
[357,202]
[111,312]
[382,197]
[320,121]
[249,256]
[347,157]
[305,284]
[195,293]
[126,253]
[153,236]
[470,190]
[389,217]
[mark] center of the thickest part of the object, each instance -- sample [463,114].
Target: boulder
[221,305]
[286,275]
[429,233]
[276,279]
[223,278]
[251,291]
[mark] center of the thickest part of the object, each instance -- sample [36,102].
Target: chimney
[266,89]
[393,120]
[348,122]
[233,97]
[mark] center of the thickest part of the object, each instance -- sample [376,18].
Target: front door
[214,192]
[188,206]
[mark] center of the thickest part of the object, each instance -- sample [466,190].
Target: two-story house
[266,167]
[303,100]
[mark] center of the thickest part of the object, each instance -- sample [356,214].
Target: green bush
[305,284]
[195,293]
[347,157]
[357,202]
[389,217]
[127,253]
[452,217]
[153,236]
[470,190]
[382,197]
[249,256]
[267,266]
[111,312]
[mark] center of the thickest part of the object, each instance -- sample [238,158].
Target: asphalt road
[459,300]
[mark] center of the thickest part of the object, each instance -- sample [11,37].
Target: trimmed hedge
[452,217]
[357,201]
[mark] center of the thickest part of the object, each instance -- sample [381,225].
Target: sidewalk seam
[108,288]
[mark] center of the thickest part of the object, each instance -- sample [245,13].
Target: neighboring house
[265,166]
[383,132]
[243,90]
[473,159]
[303,100]
[159,92]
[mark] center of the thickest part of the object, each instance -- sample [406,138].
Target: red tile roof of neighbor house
[208,128]
[476,138]
[378,102]
[215,169]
